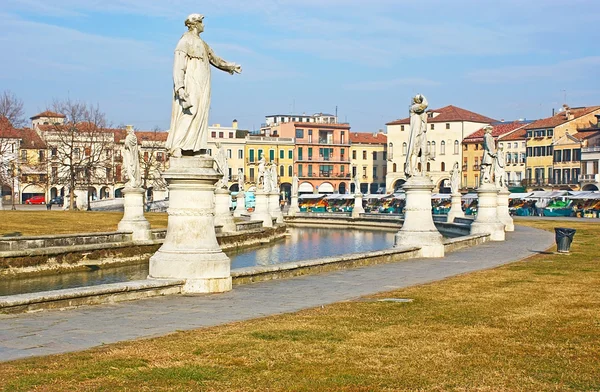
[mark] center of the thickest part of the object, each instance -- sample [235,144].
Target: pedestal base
[223,215]
[294,208]
[358,206]
[275,208]
[261,209]
[133,216]
[191,250]
[418,228]
[502,209]
[455,208]
[487,214]
[240,205]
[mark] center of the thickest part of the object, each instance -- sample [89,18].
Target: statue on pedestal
[295,182]
[266,178]
[499,169]
[262,167]
[417,142]
[274,179]
[191,90]
[454,179]
[222,166]
[356,184]
[240,180]
[489,153]
[131,160]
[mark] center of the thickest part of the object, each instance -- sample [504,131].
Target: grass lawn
[62,222]
[532,325]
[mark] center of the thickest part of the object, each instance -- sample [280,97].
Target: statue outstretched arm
[221,64]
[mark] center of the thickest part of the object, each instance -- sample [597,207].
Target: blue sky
[504,59]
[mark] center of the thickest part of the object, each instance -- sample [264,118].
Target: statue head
[129,129]
[418,98]
[488,129]
[195,20]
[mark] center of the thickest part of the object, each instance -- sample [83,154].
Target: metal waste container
[564,237]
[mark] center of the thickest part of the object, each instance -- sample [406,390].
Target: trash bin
[564,237]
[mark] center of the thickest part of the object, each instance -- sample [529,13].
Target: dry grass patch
[529,326]
[30,223]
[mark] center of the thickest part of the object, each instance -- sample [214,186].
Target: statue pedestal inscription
[190,250]
[503,214]
[294,207]
[261,209]
[455,207]
[487,213]
[274,207]
[358,205]
[418,228]
[240,205]
[133,215]
[223,216]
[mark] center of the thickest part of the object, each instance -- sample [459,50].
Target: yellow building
[33,168]
[566,166]
[278,150]
[473,151]
[541,135]
[368,160]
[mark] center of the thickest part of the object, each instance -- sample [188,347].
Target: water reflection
[301,244]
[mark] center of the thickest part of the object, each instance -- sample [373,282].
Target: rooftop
[47,113]
[498,130]
[561,117]
[450,113]
[368,138]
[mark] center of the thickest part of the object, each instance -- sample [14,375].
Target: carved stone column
[261,209]
[133,215]
[503,213]
[274,207]
[487,213]
[455,207]
[191,250]
[358,205]
[240,205]
[418,228]
[294,207]
[223,215]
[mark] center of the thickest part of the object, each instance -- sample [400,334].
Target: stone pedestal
[133,215]
[261,209]
[418,228]
[190,250]
[503,213]
[240,205]
[358,205]
[294,207]
[223,215]
[455,207]
[275,207]
[487,213]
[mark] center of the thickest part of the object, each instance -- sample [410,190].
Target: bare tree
[9,163]
[153,158]
[11,107]
[81,147]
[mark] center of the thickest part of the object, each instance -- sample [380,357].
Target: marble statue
[295,182]
[489,153]
[131,160]
[222,166]
[417,143]
[266,185]
[262,166]
[454,179]
[191,90]
[274,179]
[356,184]
[240,180]
[499,168]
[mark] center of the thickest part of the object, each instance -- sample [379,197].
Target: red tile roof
[519,134]
[47,113]
[368,138]
[6,129]
[31,140]
[588,133]
[450,113]
[498,129]
[560,118]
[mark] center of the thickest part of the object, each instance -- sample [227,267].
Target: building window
[220,135]
[432,151]
[290,173]
[374,171]
[213,134]
[354,154]
[299,170]
[251,174]
[281,171]
[447,125]
[402,127]
[300,153]
[364,172]
[364,154]
[281,154]
[310,135]
[260,154]
[310,170]
[240,154]
[271,155]
[432,126]
[443,148]
[160,156]
[443,166]
[353,171]
[229,155]
[299,133]
[290,154]
[343,137]
[374,155]
[394,168]
[456,147]
[251,155]
[404,148]
[231,135]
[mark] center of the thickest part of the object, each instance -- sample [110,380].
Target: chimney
[234,125]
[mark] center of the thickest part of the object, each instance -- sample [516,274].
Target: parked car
[58,200]
[36,200]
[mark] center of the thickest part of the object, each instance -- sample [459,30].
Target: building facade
[275,150]
[368,161]
[446,129]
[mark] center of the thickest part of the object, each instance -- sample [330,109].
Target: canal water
[301,244]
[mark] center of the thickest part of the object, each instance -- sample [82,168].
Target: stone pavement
[52,332]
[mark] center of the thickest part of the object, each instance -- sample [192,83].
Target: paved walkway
[54,332]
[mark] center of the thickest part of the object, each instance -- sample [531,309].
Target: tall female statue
[240,180]
[191,90]
[131,160]
[222,165]
[417,143]
[489,153]
[295,182]
[454,179]
[274,178]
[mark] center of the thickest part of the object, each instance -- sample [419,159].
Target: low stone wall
[314,266]
[13,244]
[454,244]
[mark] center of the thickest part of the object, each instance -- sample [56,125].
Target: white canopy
[311,196]
[546,194]
[306,187]
[326,188]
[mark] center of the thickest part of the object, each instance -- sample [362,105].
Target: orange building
[321,156]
